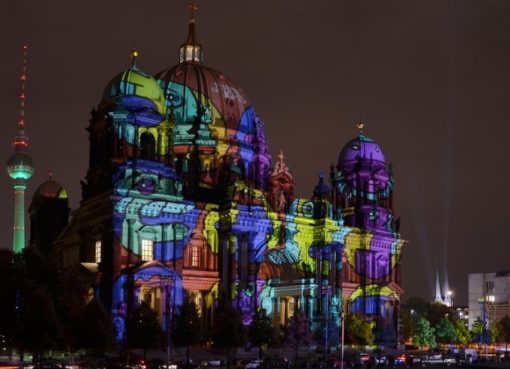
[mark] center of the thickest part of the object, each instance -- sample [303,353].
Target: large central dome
[214,119]
[191,86]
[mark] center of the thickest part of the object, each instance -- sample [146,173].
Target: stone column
[224,266]
[232,276]
[276,311]
[130,240]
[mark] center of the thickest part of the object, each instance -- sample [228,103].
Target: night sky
[431,79]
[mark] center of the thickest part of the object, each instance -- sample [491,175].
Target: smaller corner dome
[135,82]
[51,189]
[321,189]
[361,147]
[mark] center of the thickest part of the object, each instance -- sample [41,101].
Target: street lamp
[342,345]
[450,294]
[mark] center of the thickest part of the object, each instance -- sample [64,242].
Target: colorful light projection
[363,191]
[213,118]
[191,112]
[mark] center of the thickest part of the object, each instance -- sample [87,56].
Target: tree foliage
[462,334]
[41,303]
[143,329]
[328,331]
[418,306]
[357,330]
[228,330]
[298,331]
[494,332]
[504,327]
[186,327]
[445,331]
[408,323]
[478,333]
[39,328]
[97,331]
[424,334]
[261,331]
[436,313]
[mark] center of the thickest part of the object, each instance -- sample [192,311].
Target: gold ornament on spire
[360,126]
[134,55]
[192,8]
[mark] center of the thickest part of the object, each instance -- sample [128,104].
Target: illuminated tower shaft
[18,239]
[20,167]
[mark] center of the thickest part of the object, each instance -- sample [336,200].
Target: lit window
[147,250]
[98,251]
[194,256]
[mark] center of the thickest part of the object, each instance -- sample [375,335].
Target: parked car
[276,363]
[49,364]
[212,363]
[254,364]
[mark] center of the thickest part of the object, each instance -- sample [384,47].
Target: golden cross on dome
[50,174]
[360,126]
[133,54]
[280,156]
[192,8]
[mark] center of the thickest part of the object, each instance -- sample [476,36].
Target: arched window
[97,251]
[195,256]
[147,146]
[147,250]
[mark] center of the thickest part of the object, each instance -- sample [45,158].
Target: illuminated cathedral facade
[182,196]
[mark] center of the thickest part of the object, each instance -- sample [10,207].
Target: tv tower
[20,166]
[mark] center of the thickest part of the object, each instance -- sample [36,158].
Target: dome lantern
[191,50]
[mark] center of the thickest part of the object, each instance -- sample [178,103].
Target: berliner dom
[181,196]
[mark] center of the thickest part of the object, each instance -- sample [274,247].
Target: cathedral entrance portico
[281,299]
[152,282]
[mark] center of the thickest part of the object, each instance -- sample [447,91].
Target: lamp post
[342,346]
[450,297]
[165,286]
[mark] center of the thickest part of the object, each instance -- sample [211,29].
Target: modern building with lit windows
[488,296]
[182,196]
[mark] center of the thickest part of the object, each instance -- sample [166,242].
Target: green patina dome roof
[135,82]
[51,189]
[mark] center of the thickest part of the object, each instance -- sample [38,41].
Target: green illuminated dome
[51,189]
[20,166]
[135,82]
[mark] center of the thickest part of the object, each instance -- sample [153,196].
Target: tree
[462,334]
[477,330]
[436,312]
[97,329]
[186,327]
[9,296]
[71,296]
[228,330]
[298,332]
[328,333]
[445,331]
[408,323]
[38,327]
[261,331]
[504,327]
[357,330]
[143,329]
[495,332]
[424,334]
[418,306]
